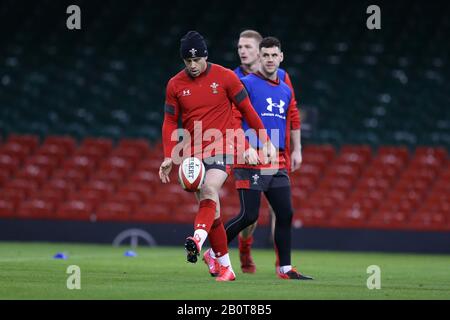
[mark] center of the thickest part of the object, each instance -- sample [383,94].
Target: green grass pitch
[28,271]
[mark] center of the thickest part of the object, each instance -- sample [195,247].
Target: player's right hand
[164,170]
[251,157]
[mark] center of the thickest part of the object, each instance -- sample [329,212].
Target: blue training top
[271,101]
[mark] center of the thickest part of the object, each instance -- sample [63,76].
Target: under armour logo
[220,163]
[193,52]
[199,225]
[214,87]
[186,93]
[255,179]
[276,105]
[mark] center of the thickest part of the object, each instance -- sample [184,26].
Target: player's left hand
[251,156]
[296,160]
[269,153]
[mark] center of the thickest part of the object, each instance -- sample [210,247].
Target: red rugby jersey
[208,99]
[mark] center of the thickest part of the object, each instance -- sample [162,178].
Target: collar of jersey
[274,82]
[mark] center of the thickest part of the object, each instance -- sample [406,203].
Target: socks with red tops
[218,238]
[204,220]
[245,244]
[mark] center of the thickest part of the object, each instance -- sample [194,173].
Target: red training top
[208,99]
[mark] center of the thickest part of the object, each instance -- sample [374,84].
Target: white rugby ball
[191,174]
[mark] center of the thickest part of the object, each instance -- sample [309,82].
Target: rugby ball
[191,174]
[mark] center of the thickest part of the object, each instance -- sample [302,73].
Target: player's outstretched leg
[202,225]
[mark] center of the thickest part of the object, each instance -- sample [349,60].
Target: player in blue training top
[272,99]
[248,51]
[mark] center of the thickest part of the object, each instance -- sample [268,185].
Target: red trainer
[247,263]
[293,274]
[213,265]
[225,274]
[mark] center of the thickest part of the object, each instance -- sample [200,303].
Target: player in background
[248,51]
[272,99]
[202,96]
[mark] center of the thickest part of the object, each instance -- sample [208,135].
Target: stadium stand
[349,187]
[81,115]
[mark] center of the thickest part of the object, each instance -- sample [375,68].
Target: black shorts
[221,161]
[254,179]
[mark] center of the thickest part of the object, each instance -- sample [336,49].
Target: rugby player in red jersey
[202,96]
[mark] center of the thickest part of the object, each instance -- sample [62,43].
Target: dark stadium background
[81,114]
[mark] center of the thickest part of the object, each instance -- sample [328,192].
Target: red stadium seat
[57,152]
[150,163]
[7,208]
[398,152]
[115,163]
[439,152]
[309,216]
[299,194]
[30,141]
[354,216]
[93,153]
[14,195]
[389,219]
[45,162]
[36,208]
[113,211]
[374,182]
[103,144]
[91,195]
[142,189]
[21,185]
[84,164]
[33,173]
[76,210]
[49,194]
[327,150]
[130,198]
[428,221]
[146,176]
[341,183]
[4,176]
[363,151]
[16,150]
[131,154]
[73,176]
[138,144]
[65,142]
[9,163]
[115,178]
[152,213]
[100,185]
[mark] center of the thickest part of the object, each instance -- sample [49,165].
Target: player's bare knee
[208,192]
